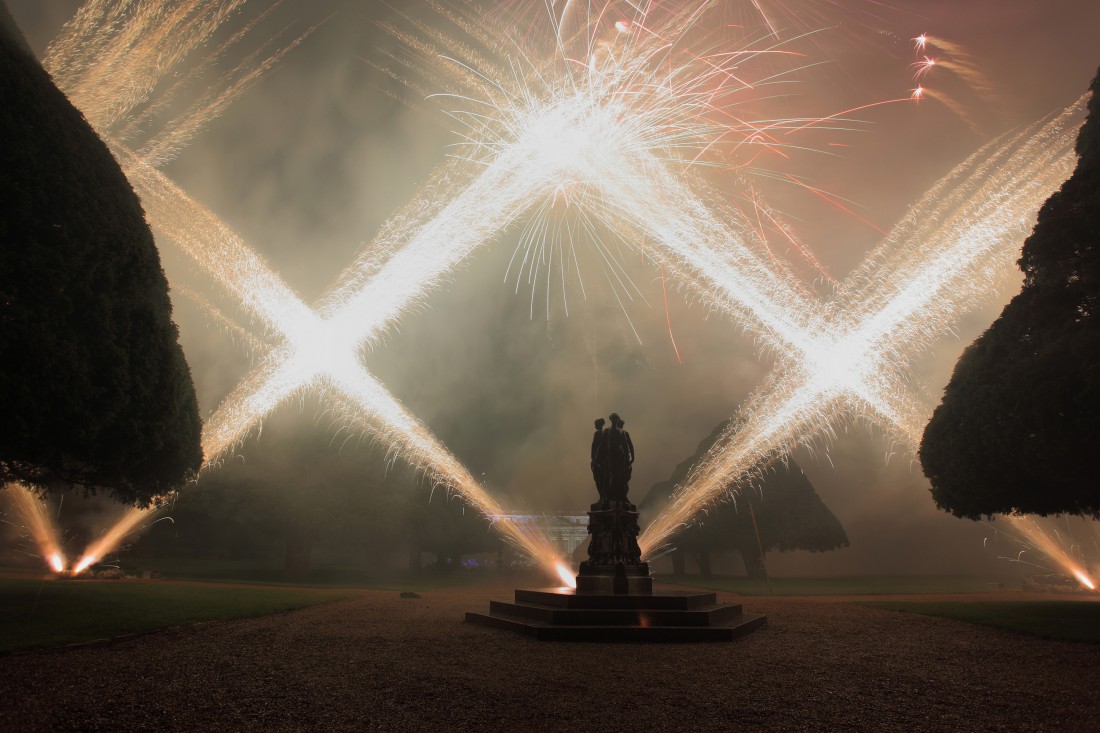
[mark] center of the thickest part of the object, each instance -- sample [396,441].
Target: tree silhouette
[1021,414]
[304,488]
[788,514]
[94,385]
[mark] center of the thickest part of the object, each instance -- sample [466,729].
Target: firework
[957,63]
[38,523]
[312,351]
[953,247]
[133,520]
[112,60]
[567,138]
[610,125]
[109,60]
[1043,539]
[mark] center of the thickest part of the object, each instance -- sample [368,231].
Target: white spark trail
[858,368]
[317,350]
[614,134]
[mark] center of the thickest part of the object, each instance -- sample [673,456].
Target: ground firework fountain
[38,523]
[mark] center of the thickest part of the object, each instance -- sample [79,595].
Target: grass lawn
[1068,620]
[840,586]
[43,613]
[269,573]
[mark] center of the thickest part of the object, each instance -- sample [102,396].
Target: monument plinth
[614,563]
[614,599]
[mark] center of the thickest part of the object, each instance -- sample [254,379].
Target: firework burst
[955,246]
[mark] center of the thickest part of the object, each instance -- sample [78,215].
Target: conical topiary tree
[788,512]
[93,382]
[1021,414]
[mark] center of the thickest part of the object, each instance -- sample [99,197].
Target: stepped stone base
[562,614]
[633,579]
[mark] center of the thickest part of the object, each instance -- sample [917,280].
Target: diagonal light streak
[315,351]
[107,60]
[912,287]
[616,147]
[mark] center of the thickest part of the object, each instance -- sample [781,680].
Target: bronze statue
[620,459]
[614,561]
[599,461]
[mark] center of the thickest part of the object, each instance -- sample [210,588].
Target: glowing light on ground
[1034,536]
[130,522]
[566,574]
[38,524]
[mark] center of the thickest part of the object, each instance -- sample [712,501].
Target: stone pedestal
[614,598]
[563,614]
[614,563]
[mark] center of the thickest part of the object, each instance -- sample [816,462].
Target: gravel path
[377,661]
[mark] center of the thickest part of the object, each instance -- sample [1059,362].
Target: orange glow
[38,523]
[113,537]
[1085,581]
[1049,544]
[566,575]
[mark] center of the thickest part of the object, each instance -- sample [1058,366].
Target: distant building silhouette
[566,531]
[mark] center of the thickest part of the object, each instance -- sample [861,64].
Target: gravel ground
[378,661]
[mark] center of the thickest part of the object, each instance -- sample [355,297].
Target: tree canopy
[307,491]
[1020,417]
[788,513]
[95,389]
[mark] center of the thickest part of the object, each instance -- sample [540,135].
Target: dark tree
[95,389]
[443,525]
[788,512]
[292,491]
[1020,418]
[303,491]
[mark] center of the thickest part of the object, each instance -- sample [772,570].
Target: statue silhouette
[614,563]
[620,459]
[599,460]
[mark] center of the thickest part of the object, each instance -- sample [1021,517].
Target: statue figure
[599,460]
[614,561]
[620,459]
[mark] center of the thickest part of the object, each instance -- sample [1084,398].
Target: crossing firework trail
[612,134]
[952,248]
[548,146]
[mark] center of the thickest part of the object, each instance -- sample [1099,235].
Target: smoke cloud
[313,160]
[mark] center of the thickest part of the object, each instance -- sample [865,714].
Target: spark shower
[608,118]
